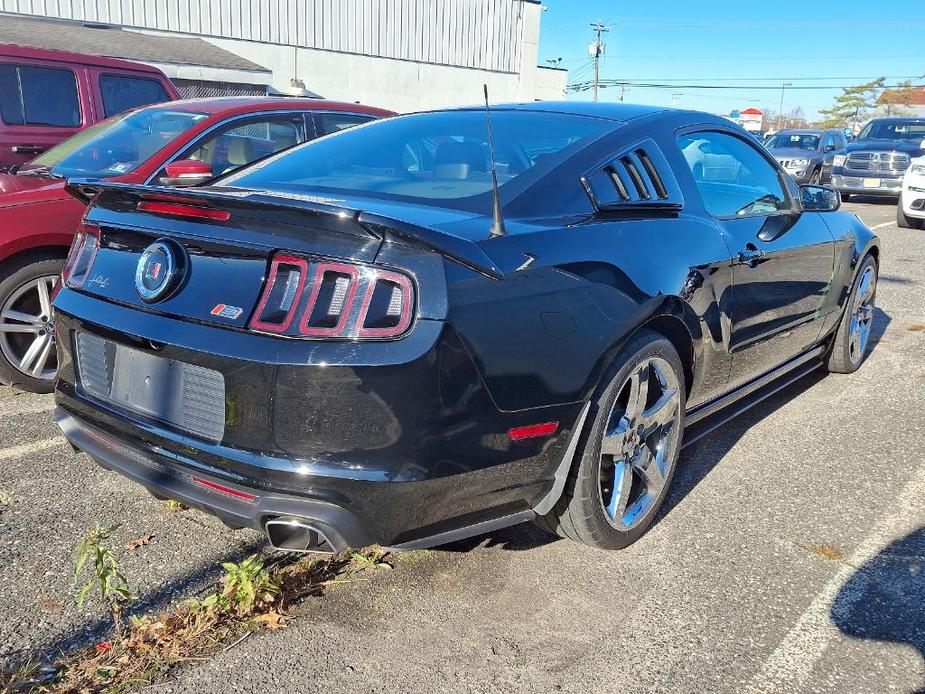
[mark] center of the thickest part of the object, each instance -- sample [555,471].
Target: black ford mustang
[339,345]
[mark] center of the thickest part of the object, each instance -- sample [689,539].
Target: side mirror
[186,172]
[819,199]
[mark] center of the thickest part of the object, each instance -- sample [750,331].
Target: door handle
[750,256]
[27,149]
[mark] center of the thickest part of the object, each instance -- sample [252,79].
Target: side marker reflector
[532,431]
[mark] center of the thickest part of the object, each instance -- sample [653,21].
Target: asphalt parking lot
[790,557]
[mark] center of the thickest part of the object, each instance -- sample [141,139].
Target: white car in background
[910,212]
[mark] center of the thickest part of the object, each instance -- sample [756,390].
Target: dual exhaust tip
[294,535]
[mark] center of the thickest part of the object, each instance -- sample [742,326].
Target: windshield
[427,157]
[912,129]
[116,145]
[794,141]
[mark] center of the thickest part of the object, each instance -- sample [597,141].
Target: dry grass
[189,631]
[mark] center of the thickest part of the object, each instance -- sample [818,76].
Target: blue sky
[744,43]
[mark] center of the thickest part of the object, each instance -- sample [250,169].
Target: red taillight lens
[324,295]
[281,298]
[333,291]
[386,308]
[80,259]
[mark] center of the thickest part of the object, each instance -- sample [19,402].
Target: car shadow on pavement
[884,600]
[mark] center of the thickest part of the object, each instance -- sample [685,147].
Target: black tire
[16,276]
[846,356]
[845,197]
[816,178]
[903,221]
[579,515]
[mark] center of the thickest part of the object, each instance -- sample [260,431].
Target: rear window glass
[121,93]
[38,96]
[426,157]
[332,122]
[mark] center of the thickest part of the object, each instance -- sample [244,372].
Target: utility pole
[596,50]
[780,113]
[622,91]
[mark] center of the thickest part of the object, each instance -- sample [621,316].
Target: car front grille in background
[189,397]
[788,163]
[880,162]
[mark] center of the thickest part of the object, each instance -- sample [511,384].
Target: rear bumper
[397,453]
[240,507]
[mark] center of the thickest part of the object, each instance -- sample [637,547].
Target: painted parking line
[25,449]
[792,662]
[26,405]
[882,226]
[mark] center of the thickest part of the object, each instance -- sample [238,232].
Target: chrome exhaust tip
[293,535]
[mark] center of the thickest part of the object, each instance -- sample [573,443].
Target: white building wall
[482,34]
[404,55]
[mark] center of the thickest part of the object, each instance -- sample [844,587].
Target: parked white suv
[910,212]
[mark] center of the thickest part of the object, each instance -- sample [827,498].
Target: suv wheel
[27,337]
[903,221]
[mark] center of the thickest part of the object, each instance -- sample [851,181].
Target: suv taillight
[80,259]
[321,299]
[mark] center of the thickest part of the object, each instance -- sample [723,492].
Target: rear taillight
[80,259]
[321,299]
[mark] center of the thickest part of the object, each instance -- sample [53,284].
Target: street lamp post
[780,113]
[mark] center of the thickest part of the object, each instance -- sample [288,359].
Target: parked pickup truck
[875,162]
[47,96]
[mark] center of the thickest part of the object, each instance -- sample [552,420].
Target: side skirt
[703,419]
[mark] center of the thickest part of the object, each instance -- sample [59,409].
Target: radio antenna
[497,227]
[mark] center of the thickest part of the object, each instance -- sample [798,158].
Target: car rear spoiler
[456,248]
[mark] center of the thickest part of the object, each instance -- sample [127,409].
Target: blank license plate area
[189,397]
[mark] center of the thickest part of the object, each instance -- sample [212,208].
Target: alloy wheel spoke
[44,299]
[639,392]
[622,485]
[19,328]
[650,470]
[39,366]
[662,412]
[613,439]
[19,316]
[37,350]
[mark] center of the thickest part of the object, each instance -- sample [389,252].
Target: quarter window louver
[640,177]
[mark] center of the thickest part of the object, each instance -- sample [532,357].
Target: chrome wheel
[639,444]
[27,337]
[862,314]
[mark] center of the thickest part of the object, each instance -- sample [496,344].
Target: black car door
[782,257]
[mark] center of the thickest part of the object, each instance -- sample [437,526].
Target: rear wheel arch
[20,259]
[675,330]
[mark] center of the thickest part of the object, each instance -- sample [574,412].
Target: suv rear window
[38,96]
[121,93]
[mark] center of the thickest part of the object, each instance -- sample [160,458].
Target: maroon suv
[47,96]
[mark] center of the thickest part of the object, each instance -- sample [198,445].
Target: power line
[584,86]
